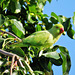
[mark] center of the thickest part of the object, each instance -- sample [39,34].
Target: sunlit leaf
[54,18]
[63,18]
[18,7]
[17,28]
[30,18]
[60,20]
[54,55]
[54,15]
[66,60]
[32,8]
[73,18]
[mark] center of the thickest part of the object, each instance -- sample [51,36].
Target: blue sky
[65,8]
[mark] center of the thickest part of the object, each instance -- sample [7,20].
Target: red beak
[61,30]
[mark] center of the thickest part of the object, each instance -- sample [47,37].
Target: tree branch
[11,34]
[13,58]
[19,60]
[8,54]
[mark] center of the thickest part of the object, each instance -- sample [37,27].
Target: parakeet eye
[57,27]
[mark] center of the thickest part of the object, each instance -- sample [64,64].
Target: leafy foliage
[22,18]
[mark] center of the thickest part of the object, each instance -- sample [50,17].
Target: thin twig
[11,34]
[30,69]
[11,55]
[13,58]
[21,64]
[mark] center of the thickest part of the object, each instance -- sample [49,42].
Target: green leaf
[71,32]
[54,15]
[49,25]
[14,6]
[60,20]
[32,8]
[5,4]
[18,7]
[17,28]
[1,2]
[73,18]
[53,20]
[54,55]
[66,24]
[45,20]
[66,60]
[63,18]
[30,15]
[11,6]
[44,63]
[17,51]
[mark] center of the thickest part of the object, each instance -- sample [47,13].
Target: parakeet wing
[39,38]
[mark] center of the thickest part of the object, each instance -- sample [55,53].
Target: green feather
[42,39]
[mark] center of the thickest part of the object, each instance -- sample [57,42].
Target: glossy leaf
[17,28]
[54,18]
[71,32]
[54,15]
[18,7]
[66,24]
[54,55]
[63,18]
[60,20]
[66,60]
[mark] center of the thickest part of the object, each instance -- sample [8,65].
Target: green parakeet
[42,39]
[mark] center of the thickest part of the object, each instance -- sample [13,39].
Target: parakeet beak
[61,30]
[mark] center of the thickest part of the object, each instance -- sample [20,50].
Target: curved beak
[61,30]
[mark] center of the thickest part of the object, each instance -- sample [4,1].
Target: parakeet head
[57,29]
